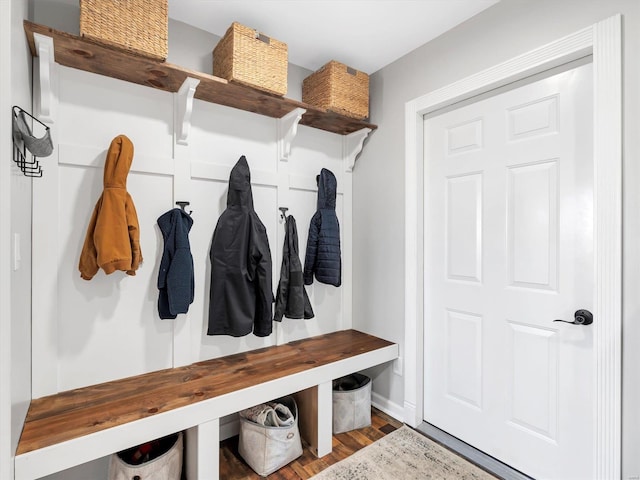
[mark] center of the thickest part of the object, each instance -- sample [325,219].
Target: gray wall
[503,31]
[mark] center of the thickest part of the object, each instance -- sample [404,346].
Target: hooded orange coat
[113,236]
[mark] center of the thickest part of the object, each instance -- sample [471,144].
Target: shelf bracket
[287,130]
[184,109]
[352,144]
[45,51]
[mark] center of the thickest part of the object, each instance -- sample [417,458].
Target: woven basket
[338,88]
[247,57]
[137,26]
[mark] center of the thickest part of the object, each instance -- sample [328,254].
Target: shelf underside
[83,54]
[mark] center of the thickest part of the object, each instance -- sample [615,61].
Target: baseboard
[387,406]
[229,427]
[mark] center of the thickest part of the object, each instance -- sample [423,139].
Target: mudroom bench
[77,426]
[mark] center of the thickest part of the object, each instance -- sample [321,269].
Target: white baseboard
[229,427]
[387,406]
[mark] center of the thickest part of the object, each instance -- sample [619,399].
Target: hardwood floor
[233,467]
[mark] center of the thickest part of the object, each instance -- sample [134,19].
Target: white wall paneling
[86,332]
[603,41]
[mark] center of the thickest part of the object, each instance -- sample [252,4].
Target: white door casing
[603,41]
[509,248]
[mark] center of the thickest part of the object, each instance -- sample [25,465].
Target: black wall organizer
[24,140]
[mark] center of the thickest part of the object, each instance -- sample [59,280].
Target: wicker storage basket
[137,26]
[245,56]
[338,88]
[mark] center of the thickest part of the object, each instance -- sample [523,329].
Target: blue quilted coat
[323,245]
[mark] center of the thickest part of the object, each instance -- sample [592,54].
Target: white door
[508,249]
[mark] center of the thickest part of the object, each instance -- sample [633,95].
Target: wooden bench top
[83,411]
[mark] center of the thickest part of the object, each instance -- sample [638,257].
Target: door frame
[603,41]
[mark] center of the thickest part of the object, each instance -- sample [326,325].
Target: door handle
[581,317]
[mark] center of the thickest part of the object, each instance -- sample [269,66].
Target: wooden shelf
[83,54]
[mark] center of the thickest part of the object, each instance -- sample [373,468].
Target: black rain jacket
[323,245]
[291,298]
[240,297]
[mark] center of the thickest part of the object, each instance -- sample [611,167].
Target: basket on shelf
[245,56]
[137,26]
[338,88]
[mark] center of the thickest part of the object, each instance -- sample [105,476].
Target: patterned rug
[404,454]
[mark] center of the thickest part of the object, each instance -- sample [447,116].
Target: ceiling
[364,34]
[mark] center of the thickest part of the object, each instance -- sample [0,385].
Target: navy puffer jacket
[323,245]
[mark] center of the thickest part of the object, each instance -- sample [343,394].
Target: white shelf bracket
[184,109]
[45,52]
[352,146]
[287,130]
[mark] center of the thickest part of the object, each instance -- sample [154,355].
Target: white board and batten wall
[88,332]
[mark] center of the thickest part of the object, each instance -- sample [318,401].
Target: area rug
[404,454]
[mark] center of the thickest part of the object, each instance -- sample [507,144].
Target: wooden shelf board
[84,54]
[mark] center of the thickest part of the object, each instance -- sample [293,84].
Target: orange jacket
[113,236]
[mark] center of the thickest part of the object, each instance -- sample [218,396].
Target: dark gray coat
[323,245]
[291,298]
[240,298]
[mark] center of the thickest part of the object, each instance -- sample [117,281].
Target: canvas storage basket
[166,466]
[137,26]
[351,402]
[268,448]
[246,56]
[338,88]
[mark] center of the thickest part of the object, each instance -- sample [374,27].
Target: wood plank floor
[233,467]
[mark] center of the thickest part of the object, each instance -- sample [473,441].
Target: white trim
[607,148]
[603,41]
[387,406]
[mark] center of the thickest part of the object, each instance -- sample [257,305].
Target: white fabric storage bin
[167,466]
[351,403]
[268,448]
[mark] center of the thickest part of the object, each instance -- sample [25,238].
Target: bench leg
[203,451]
[315,414]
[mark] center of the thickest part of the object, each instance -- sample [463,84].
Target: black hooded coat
[240,297]
[323,245]
[291,298]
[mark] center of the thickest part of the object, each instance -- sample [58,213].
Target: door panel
[464,227]
[508,249]
[532,223]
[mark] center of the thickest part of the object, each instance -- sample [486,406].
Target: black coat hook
[283,212]
[182,205]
